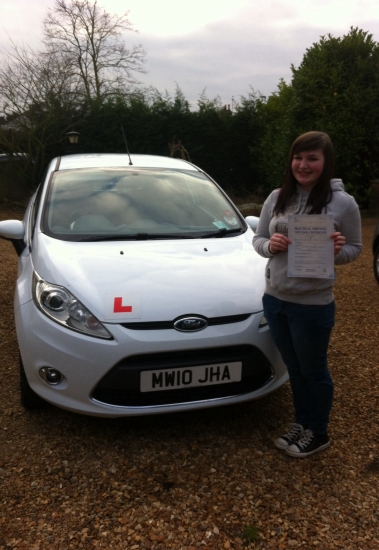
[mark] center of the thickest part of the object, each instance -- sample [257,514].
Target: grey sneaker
[284,441]
[307,444]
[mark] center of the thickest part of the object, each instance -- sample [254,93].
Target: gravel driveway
[207,479]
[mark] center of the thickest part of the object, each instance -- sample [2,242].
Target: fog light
[51,376]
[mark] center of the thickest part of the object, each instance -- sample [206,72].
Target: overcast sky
[223,47]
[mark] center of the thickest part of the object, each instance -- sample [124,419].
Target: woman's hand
[339,241]
[279,243]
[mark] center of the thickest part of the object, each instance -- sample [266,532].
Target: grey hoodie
[303,290]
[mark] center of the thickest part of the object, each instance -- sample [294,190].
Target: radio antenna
[126,145]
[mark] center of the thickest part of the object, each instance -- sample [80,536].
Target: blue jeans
[301,334]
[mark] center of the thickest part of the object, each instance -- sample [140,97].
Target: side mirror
[14,231]
[252,221]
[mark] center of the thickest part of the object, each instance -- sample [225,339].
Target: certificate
[311,252]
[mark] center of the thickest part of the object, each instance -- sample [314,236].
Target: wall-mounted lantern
[73,136]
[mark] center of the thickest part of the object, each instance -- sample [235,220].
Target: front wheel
[29,399]
[376,264]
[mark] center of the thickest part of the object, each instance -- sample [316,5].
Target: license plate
[190,377]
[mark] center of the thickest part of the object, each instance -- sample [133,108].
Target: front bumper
[87,362]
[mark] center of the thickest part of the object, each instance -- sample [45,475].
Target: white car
[138,291]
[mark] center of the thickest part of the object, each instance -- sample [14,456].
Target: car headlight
[62,307]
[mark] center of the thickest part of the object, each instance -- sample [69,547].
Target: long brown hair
[321,194]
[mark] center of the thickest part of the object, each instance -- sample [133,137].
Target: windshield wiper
[222,232]
[132,237]
[148,236]
[156,236]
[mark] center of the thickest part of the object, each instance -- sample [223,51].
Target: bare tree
[28,77]
[43,92]
[37,93]
[89,39]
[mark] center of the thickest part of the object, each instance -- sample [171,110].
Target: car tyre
[376,264]
[29,399]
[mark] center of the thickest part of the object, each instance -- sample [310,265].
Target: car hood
[156,280]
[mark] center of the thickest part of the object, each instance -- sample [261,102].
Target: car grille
[160,325]
[121,385]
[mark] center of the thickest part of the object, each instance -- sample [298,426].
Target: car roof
[70,162]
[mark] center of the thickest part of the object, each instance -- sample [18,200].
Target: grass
[251,533]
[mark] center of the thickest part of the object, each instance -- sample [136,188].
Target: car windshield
[127,203]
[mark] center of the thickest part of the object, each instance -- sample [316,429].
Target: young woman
[300,311]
